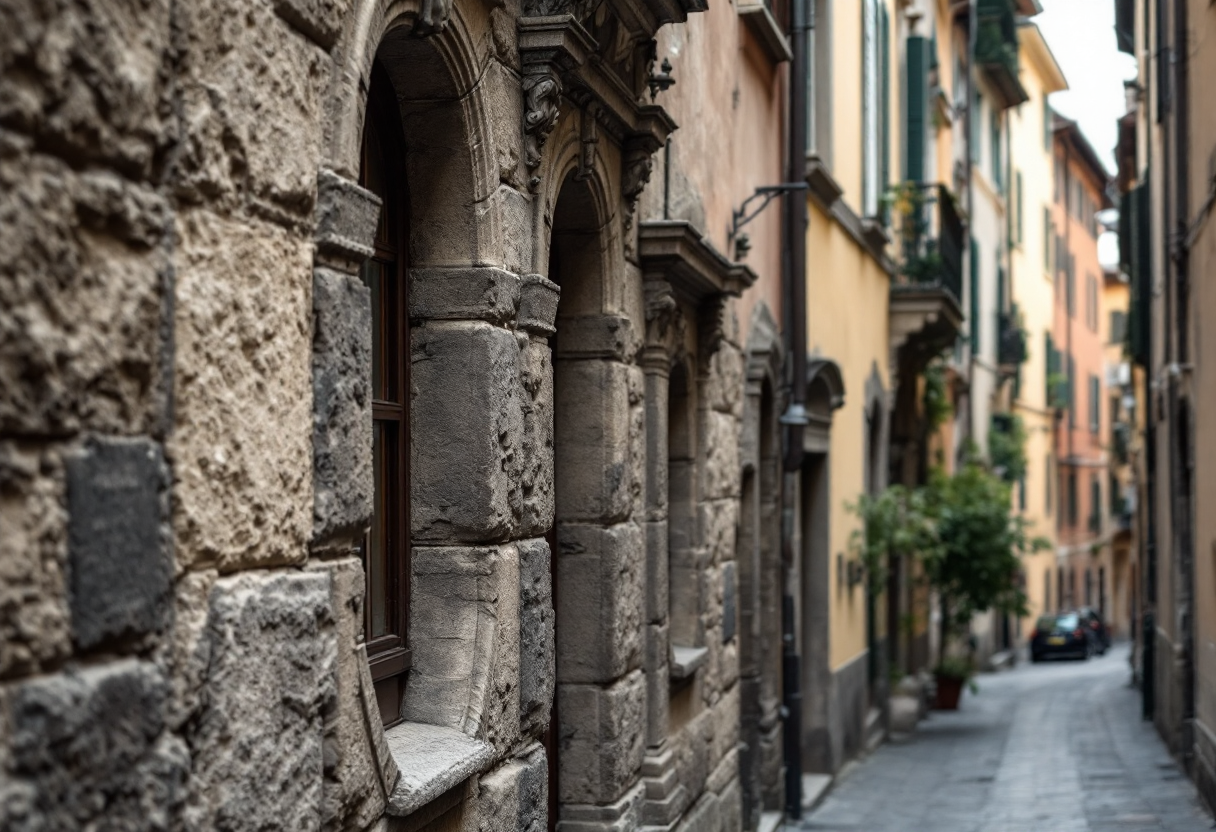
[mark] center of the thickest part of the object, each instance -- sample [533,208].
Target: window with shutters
[1018,227]
[1048,477]
[1071,486]
[819,81]
[1118,326]
[974,290]
[1095,503]
[995,155]
[917,108]
[1072,392]
[386,548]
[1049,233]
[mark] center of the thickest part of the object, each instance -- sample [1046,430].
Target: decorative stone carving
[714,325]
[433,17]
[579,9]
[589,137]
[664,321]
[542,100]
[639,163]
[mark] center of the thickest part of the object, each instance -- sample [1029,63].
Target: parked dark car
[1092,619]
[1061,635]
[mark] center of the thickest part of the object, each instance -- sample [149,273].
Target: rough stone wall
[185,442]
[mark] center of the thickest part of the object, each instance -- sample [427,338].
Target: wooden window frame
[389,655]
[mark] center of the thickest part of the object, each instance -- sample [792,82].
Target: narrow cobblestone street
[1057,747]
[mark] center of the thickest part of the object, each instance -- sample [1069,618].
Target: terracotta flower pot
[949,691]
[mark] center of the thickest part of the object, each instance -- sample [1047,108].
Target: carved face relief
[433,17]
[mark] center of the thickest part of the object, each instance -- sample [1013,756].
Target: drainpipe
[1184,447]
[794,419]
[969,140]
[1148,623]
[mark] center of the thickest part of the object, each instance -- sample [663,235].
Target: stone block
[342,474]
[119,563]
[538,297]
[658,682]
[724,773]
[621,815]
[729,664]
[188,651]
[636,386]
[536,639]
[505,103]
[467,431]
[267,694]
[34,618]
[244,71]
[242,451]
[91,78]
[455,634]
[591,436]
[724,725]
[88,750]
[464,293]
[657,600]
[515,219]
[598,336]
[351,796]
[602,739]
[515,795]
[535,460]
[704,816]
[320,20]
[600,604]
[346,213]
[82,344]
[719,522]
[687,596]
[722,470]
[724,382]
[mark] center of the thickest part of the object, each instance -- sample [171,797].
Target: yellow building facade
[1033,256]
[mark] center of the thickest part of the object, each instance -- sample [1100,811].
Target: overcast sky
[1081,33]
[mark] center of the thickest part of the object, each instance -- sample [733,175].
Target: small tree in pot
[975,565]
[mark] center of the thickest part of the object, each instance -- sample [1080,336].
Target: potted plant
[975,565]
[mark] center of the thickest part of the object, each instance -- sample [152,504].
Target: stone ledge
[685,661]
[431,759]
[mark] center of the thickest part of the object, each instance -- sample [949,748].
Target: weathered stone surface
[538,297]
[725,772]
[657,600]
[321,20]
[598,336]
[724,382]
[241,450]
[343,483]
[536,645]
[226,158]
[658,681]
[620,815]
[725,725]
[34,631]
[456,637]
[533,467]
[351,796]
[467,425]
[268,691]
[636,386]
[188,651]
[119,563]
[600,572]
[515,795]
[90,78]
[432,759]
[87,750]
[722,456]
[591,434]
[466,293]
[81,286]
[719,522]
[515,218]
[603,738]
[347,213]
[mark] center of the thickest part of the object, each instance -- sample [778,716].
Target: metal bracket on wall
[741,217]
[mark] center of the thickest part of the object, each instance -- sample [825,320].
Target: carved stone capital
[665,325]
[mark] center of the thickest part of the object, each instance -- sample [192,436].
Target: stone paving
[1057,747]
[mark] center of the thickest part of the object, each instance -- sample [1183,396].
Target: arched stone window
[386,548]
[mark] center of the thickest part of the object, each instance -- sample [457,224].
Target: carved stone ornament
[665,324]
[580,10]
[589,138]
[542,100]
[433,17]
[636,173]
[713,324]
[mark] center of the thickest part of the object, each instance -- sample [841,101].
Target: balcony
[1011,344]
[927,290]
[996,49]
[769,20]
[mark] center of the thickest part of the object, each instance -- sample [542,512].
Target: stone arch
[599,552]
[759,557]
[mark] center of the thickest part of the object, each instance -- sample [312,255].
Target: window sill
[431,759]
[767,31]
[685,661]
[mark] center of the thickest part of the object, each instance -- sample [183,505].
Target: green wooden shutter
[1019,208]
[975,296]
[918,91]
[1052,367]
[1047,232]
[884,84]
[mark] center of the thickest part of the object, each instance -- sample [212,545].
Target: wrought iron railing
[930,234]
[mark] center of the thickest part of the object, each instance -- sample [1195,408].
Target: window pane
[376,550]
[372,274]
